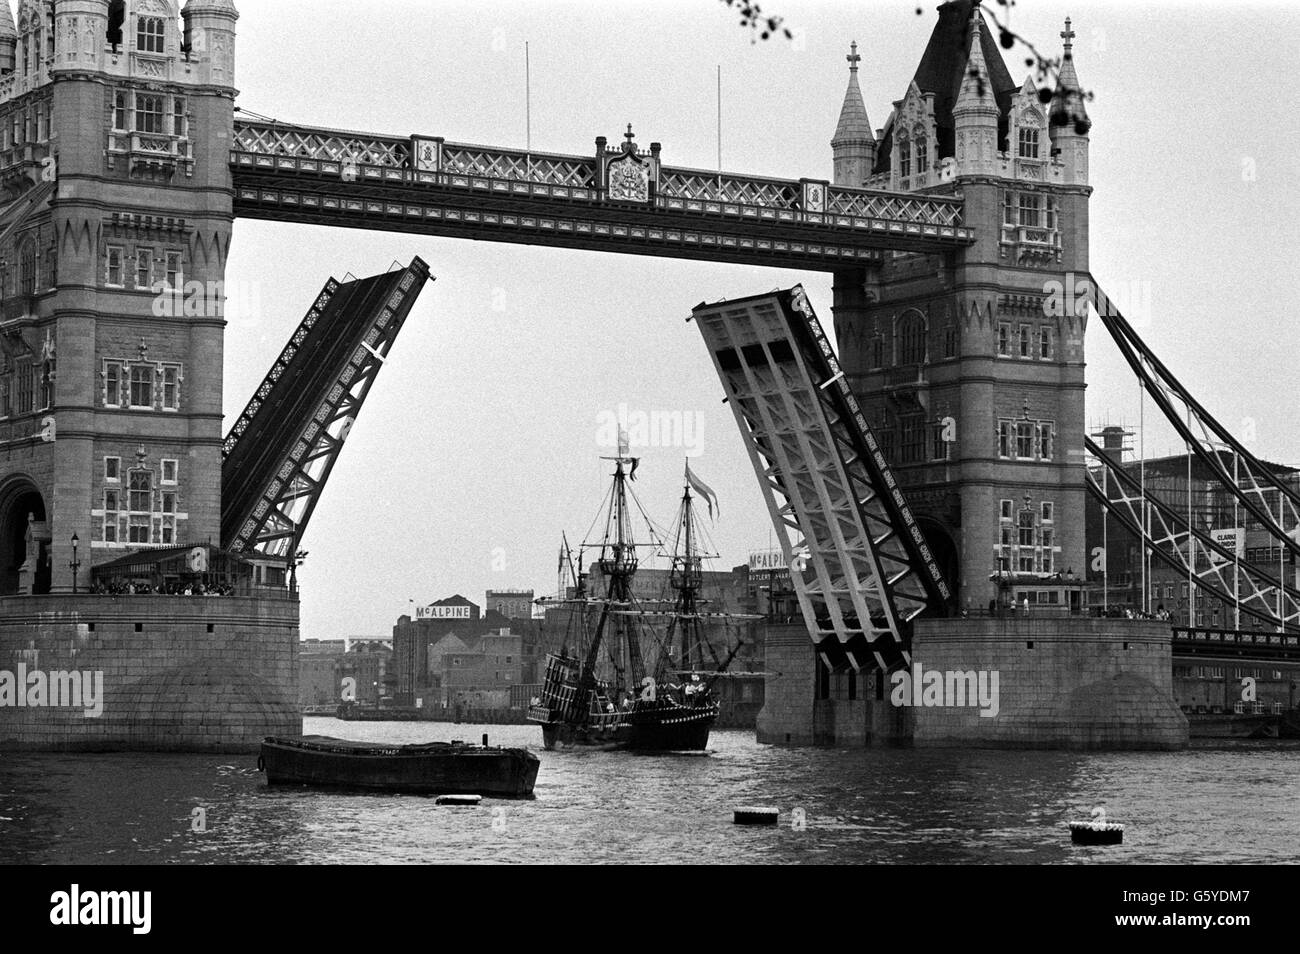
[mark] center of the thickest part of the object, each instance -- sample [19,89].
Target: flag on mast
[703,489]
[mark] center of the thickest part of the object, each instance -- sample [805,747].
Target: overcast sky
[480,441]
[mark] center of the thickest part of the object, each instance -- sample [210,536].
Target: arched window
[27,268]
[149,32]
[116,17]
[911,339]
[922,155]
[904,158]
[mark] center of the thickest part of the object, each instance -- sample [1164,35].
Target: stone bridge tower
[972,363]
[115,125]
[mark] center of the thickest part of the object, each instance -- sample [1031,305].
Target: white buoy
[756,815]
[1096,833]
[459,799]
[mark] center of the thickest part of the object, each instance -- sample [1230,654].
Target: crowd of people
[169,588]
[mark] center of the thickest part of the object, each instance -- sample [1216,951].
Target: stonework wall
[786,716]
[179,673]
[1063,683]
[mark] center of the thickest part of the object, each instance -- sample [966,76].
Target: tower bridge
[936,463]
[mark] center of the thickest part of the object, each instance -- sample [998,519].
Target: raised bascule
[925,480]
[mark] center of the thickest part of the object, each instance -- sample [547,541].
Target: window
[112,384]
[1027,142]
[1004,511]
[911,340]
[1025,440]
[922,156]
[42,127]
[877,352]
[168,471]
[148,113]
[904,158]
[23,374]
[1004,440]
[1008,209]
[1051,213]
[142,385]
[1004,339]
[1025,332]
[111,507]
[939,447]
[143,267]
[149,34]
[173,277]
[16,126]
[1046,511]
[950,341]
[180,127]
[1044,440]
[171,389]
[139,505]
[47,383]
[1030,209]
[113,266]
[27,268]
[119,111]
[913,438]
[112,468]
[1045,343]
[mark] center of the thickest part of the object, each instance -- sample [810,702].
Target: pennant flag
[631,474]
[703,489]
[622,442]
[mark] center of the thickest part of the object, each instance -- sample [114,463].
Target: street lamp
[74,564]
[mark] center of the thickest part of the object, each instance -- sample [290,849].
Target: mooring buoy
[752,815]
[1096,833]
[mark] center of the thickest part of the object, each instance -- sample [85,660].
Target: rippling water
[1239,802]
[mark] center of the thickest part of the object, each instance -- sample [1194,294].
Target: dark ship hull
[671,728]
[436,768]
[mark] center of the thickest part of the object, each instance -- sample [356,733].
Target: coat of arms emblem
[629,180]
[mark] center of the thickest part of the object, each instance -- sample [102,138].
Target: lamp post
[74,564]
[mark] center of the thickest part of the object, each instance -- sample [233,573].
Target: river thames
[1221,803]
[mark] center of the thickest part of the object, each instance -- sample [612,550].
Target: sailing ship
[647,691]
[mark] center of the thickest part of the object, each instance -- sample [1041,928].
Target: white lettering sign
[442,612]
[766,560]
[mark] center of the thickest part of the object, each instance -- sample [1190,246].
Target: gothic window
[148,113]
[113,266]
[1004,338]
[950,341]
[1008,209]
[922,155]
[1050,213]
[142,385]
[116,18]
[42,127]
[112,468]
[27,268]
[1045,343]
[23,373]
[16,128]
[1047,511]
[120,121]
[168,466]
[1044,440]
[139,505]
[47,383]
[912,428]
[112,504]
[149,34]
[1027,142]
[112,383]
[173,270]
[180,127]
[1004,439]
[1025,440]
[1024,342]
[143,267]
[1045,538]
[939,447]
[877,352]
[171,388]
[1004,509]
[1030,208]
[911,339]
[904,158]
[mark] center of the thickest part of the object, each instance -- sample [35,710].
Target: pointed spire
[854,126]
[1067,105]
[976,93]
[8,29]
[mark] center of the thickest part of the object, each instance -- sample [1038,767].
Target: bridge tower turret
[853,144]
[115,127]
[970,363]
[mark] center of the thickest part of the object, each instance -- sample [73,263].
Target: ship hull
[434,769]
[559,735]
[672,729]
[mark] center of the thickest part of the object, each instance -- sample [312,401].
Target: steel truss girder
[279,512]
[835,504]
[1169,536]
[1180,407]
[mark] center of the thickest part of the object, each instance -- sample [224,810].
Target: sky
[480,441]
